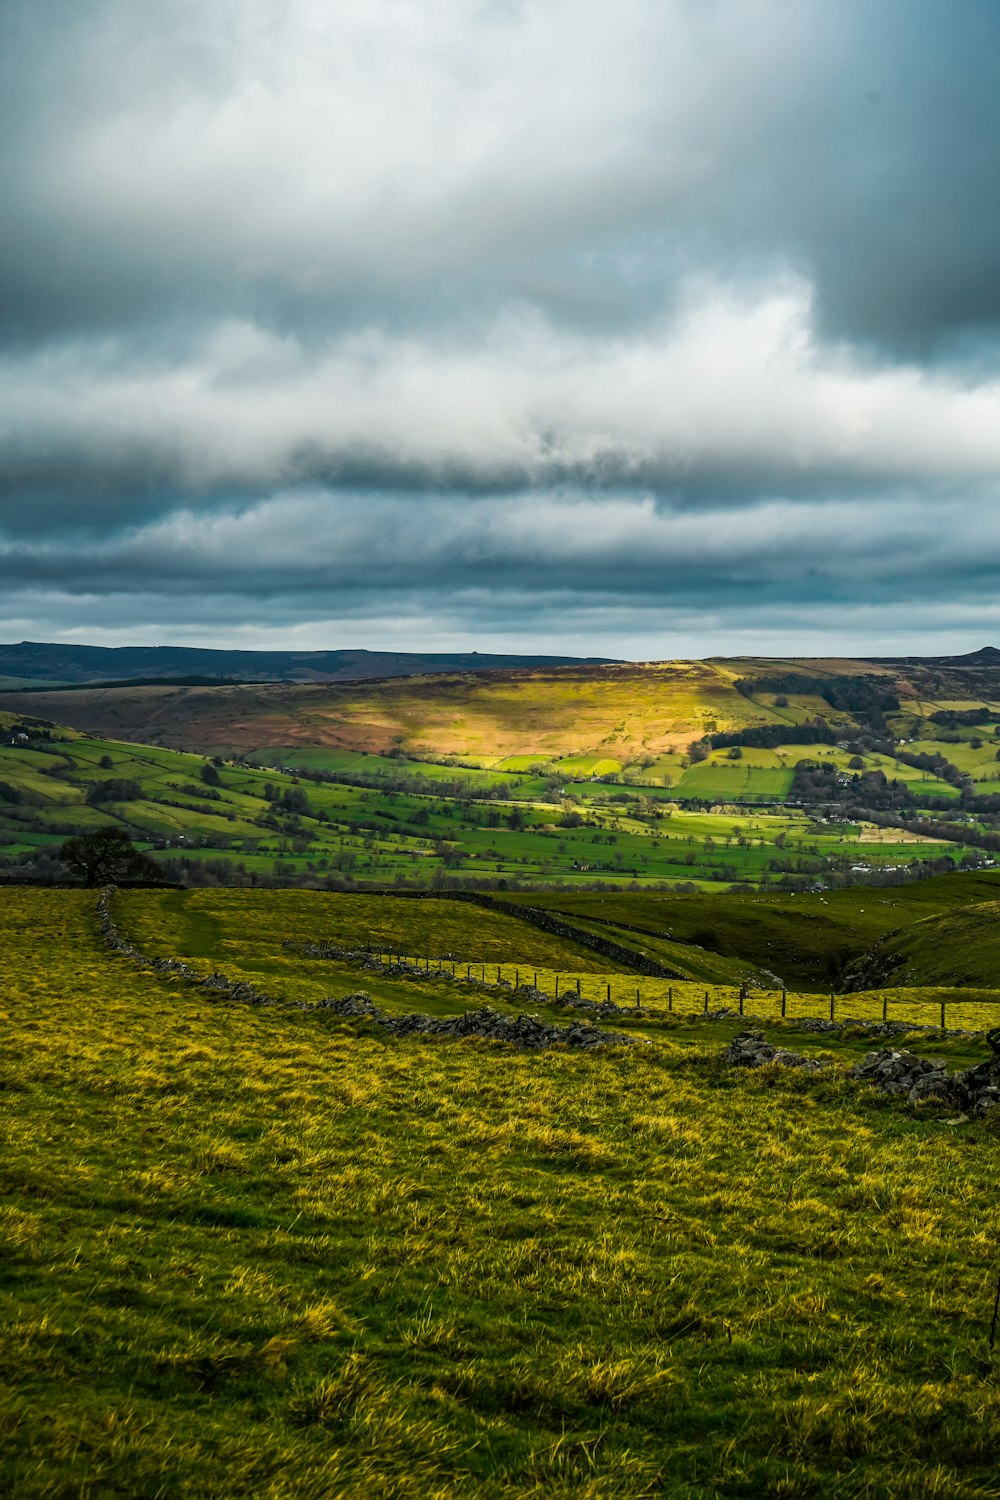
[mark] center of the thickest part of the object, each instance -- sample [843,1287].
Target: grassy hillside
[807,938]
[230,926]
[639,719]
[263,1253]
[960,946]
[259,936]
[611,712]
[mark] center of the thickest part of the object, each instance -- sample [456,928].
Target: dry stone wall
[486,1024]
[975,1091]
[537,916]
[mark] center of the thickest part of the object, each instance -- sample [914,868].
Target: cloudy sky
[654,328]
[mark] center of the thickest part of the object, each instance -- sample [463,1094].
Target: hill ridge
[59,663]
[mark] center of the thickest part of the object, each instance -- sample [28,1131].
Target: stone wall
[558,926]
[486,1024]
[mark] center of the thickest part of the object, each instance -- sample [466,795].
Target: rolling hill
[623,711]
[59,664]
[625,715]
[718,772]
[956,947]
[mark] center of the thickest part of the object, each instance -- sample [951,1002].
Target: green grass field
[807,937]
[266,1253]
[404,828]
[574,780]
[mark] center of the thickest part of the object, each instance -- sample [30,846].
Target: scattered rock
[974,1091]
[750,1050]
[485,1024]
[977,1090]
[901,1072]
[360,1004]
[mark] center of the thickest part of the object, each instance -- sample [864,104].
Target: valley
[705,775]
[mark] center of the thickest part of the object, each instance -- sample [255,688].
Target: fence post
[638,999]
[706,1003]
[784,1003]
[831,1005]
[741,999]
[609,994]
[557,986]
[535,981]
[498,973]
[670,997]
[885,1008]
[517,979]
[578,989]
[942,1015]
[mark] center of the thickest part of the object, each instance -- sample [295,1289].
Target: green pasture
[246,934]
[522,762]
[663,769]
[588,765]
[436,928]
[640,835]
[732,781]
[264,1252]
[980,763]
[808,938]
[381,767]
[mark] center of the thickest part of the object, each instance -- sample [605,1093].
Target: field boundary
[521,1030]
[536,916]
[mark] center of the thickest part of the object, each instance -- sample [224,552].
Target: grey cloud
[623,550]
[421,320]
[730,397]
[294,162]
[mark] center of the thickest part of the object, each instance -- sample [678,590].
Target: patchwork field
[268,1252]
[397,822]
[709,775]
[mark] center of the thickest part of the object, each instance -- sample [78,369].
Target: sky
[651,329]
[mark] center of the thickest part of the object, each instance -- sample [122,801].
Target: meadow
[260,937]
[266,1252]
[348,816]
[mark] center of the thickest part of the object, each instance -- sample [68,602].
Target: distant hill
[619,711]
[53,664]
[986,656]
[639,715]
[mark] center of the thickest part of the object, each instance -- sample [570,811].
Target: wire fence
[949,1009]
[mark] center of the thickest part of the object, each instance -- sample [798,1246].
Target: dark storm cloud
[498,316]
[281,162]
